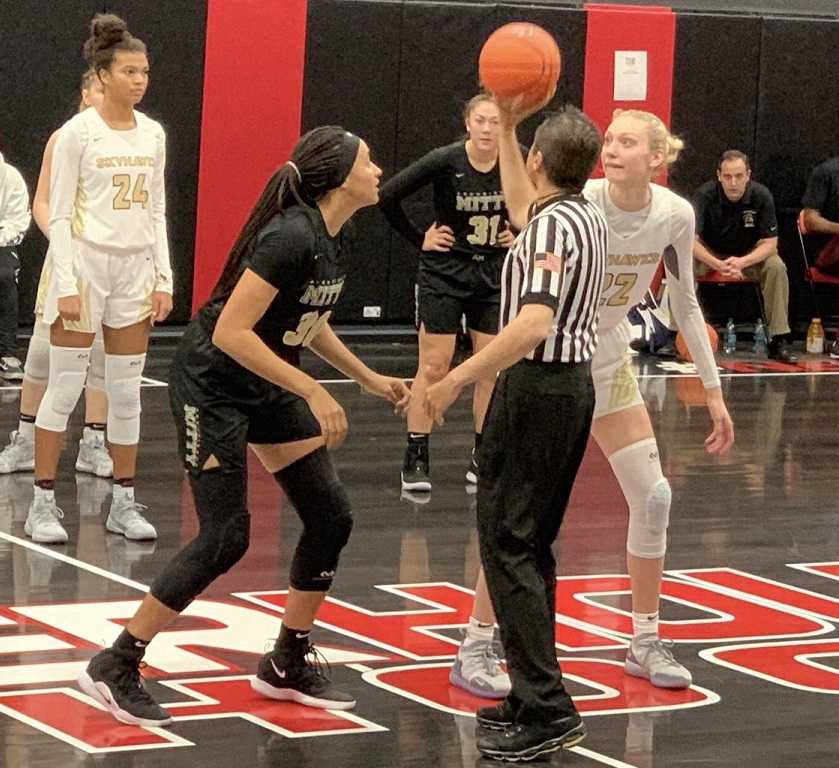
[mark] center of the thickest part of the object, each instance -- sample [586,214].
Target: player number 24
[125,195]
[624,281]
[485,229]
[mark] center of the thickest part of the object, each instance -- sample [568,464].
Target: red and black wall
[236,81]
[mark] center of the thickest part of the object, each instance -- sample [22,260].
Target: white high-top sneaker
[42,524]
[93,455]
[18,455]
[126,518]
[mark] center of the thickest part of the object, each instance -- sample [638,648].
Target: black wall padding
[175,33]
[797,105]
[40,70]
[714,93]
[352,79]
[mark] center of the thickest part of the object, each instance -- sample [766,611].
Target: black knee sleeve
[223,538]
[312,486]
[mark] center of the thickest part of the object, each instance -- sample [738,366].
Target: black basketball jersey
[467,200]
[307,266]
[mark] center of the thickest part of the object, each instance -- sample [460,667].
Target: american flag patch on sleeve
[549,262]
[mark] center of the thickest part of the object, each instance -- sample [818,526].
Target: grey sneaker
[10,368]
[478,670]
[42,524]
[93,455]
[651,658]
[126,518]
[18,455]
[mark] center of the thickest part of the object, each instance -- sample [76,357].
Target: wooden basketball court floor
[751,597]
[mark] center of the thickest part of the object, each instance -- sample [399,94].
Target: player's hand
[722,435]
[506,238]
[330,416]
[161,306]
[438,238]
[512,111]
[70,307]
[391,389]
[438,398]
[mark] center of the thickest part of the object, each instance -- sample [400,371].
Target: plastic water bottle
[729,346]
[815,337]
[760,340]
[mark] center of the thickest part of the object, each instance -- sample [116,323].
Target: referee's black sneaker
[113,679]
[302,680]
[527,741]
[415,469]
[497,718]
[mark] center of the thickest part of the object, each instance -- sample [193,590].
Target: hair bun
[107,29]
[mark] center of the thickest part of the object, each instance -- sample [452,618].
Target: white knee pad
[123,374]
[37,366]
[67,369]
[638,470]
[96,372]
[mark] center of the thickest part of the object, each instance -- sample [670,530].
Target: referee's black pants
[534,439]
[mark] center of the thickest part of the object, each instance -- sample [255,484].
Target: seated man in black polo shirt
[737,235]
[821,217]
[821,214]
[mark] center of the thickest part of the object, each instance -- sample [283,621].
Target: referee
[538,421]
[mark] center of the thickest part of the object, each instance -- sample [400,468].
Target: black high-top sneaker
[497,718]
[527,741]
[415,468]
[303,679]
[113,679]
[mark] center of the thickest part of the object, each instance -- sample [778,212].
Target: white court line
[73,561]
[597,757]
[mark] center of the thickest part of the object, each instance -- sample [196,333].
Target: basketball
[520,59]
[682,347]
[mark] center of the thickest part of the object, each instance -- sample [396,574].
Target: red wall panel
[253,87]
[613,28]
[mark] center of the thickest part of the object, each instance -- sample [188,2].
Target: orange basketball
[682,347]
[520,59]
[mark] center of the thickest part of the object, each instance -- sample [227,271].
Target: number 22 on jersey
[624,283]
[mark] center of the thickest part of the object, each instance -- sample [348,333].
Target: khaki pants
[771,273]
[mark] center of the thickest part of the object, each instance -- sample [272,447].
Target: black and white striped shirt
[559,260]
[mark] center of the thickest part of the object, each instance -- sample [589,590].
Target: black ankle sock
[98,426]
[478,437]
[26,418]
[125,482]
[45,485]
[292,643]
[129,644]
[418,438]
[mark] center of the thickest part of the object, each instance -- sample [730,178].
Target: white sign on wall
[630,76]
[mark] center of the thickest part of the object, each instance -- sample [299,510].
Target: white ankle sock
[478,632]
[644,623]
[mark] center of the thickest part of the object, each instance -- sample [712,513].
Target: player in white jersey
[19,454]
[647,224]
[111,268]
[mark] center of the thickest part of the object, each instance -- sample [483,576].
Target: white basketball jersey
[638,242]
[119,178]
[635,250]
